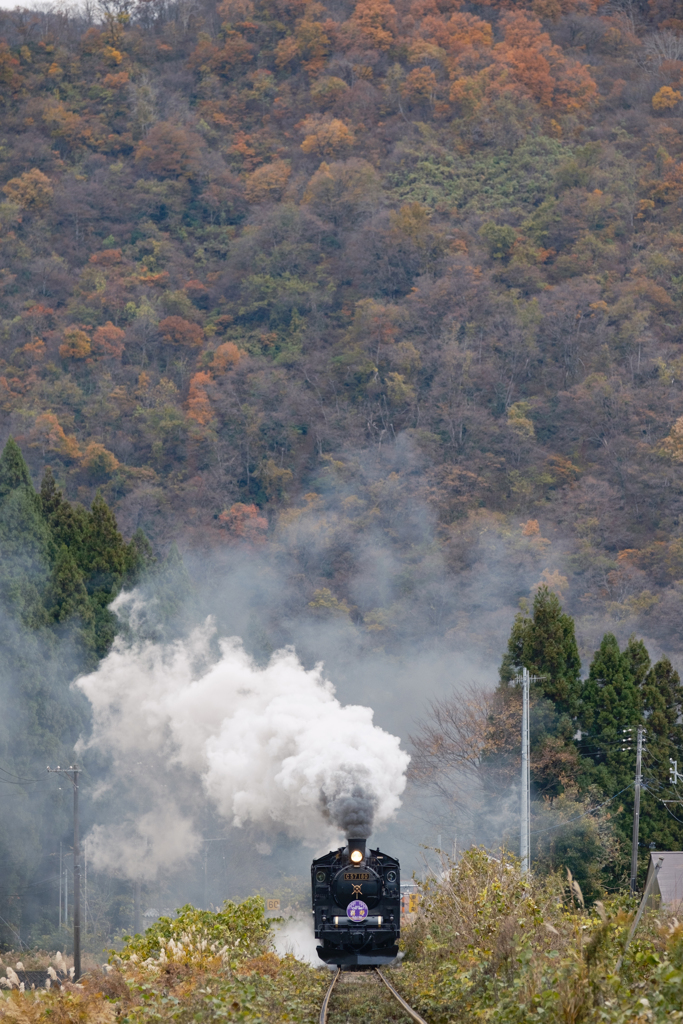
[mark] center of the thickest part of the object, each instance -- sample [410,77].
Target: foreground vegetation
[488,945]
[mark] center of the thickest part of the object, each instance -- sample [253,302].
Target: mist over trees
[582,746]
[250,249]
[383,299]
[61,567]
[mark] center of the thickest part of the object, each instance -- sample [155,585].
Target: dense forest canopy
[405,270]
[380,302]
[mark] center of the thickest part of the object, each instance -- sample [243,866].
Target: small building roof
[669,882]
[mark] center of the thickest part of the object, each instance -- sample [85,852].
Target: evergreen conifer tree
[105,555]
[60,567]
[662,705]
[140,560]
[13,470]
[66,594]
[610,701]
[611,705]
[24,540]
[544,642]
[41,716]
[68,523]
[622,692]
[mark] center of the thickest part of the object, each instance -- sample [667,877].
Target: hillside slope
[346,279]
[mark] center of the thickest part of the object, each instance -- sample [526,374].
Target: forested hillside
[61,566]
[282,270]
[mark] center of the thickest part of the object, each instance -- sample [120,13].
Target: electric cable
[31,885]
[590,810]
[21,781]
[671,812]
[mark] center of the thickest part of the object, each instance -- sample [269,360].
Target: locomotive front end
[356,906]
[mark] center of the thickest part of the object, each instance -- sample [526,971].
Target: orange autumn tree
[76,344]
[326,136]
[49,436]
[244,522]
[541,68]
[420,86]
[267,183]
[309,45]
[465,40]
[32,190]
[181,333]
[108,340]
[198,404]
[372,24]
[170,150]
[526,63]
[225,357]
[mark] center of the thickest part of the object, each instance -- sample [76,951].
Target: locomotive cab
[356,905]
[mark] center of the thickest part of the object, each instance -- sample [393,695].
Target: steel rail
[326,1001]
[408,1009]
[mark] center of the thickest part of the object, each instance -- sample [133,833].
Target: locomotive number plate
[356,876]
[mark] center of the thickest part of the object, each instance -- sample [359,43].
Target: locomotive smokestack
[356,850]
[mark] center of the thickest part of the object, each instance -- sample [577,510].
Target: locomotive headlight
[356,856]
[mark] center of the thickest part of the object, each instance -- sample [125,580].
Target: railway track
[374,975]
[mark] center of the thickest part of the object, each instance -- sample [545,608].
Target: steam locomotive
[356,906]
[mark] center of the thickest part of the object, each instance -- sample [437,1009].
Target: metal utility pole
[77,882]
[525,806]
[60,887]
[72,773]
[636,810]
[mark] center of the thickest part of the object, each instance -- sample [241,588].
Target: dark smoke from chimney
[352,811]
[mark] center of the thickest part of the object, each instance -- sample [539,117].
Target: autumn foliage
[76,344]
[250,247]
[174,330]
[244,522]
[108,340]
[32,190]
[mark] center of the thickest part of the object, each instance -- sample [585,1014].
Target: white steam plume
[272,745]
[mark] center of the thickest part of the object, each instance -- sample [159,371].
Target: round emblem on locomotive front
[357,910]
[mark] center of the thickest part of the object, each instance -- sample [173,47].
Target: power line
[21,781]
[671,812]
[583,813]
[31,885]
[24,782]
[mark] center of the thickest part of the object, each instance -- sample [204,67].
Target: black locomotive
[357,906]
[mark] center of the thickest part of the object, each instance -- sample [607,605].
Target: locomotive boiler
[356,906]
